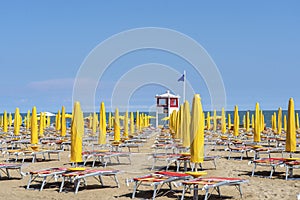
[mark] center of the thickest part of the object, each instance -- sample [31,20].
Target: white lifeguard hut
[165,104]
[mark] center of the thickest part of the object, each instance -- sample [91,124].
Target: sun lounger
[5,167]
[238,149]
[105,157]
[211,184]
[77,176]
[169,158]
[267,162]
[157,179]
[266,150]
[45,174]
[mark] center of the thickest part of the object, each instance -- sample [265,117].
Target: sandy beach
[257,188]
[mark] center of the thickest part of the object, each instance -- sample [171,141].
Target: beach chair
[76,177]
[267,162]
[157,179]
[105,157]
[211,184]
[44,174]
[5,167]
[167,157]
[241,149]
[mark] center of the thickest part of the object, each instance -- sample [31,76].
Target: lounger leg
[206,194]
[29,181]
[100,179]
[117,181]
[240,190]
[195,197]
[215,163]
[134,189]
[43,184]
[253,170]
[183,192]
[62,184]
[229,154]
[272,170]
[76,184]
[7,172]
[154,192]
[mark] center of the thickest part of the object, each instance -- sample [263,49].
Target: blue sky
[255,46]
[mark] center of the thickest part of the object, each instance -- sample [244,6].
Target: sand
[257,188]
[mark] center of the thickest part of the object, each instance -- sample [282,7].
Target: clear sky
[255,45]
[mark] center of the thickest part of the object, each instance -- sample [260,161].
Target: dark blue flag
[181,78]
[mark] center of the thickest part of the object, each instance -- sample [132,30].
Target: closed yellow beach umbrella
[284,123]
[279,123]
[77,131]
[137,120]
[223,121]
[34,127]
[41,130]
[94,123]
[5,122]
[229,122]
[117,134]
[186,120]
[290,143]
[131,124]
[252,122]
[28,120]
[125,133]
[297,121]
[215,121]
[247,121]
[109,121]
[236,121]
[179,127]
[274,122]
[63,122]
[102,125]
[9,120]
[257,124]
[57,121]
[17,122]
[208,121]
[197,131]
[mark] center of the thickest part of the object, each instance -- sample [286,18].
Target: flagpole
[184,80]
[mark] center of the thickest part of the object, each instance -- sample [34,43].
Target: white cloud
[52,84]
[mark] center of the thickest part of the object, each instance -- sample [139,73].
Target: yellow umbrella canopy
[236,122]
[178,132]
[252,122]
[186,120]
[34,127]
[284,123]
[41,130]
[1,121]
[131,123]
[28,120]
[279,123]
[173,121]
[77,131]
[94,123]
[117,134]
[229,122]
[247,121]
[257,124]
[223,121]
[297,121]
[17,122]
[197,131]
[290,143]
[208,121]
[109,121]
[274,122]
[215,120]
[63,122]
[102,125]
[9,120]
[5,122]
[125,133]
[57,121]
[137,123]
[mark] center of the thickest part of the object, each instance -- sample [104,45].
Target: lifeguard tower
[165,104]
